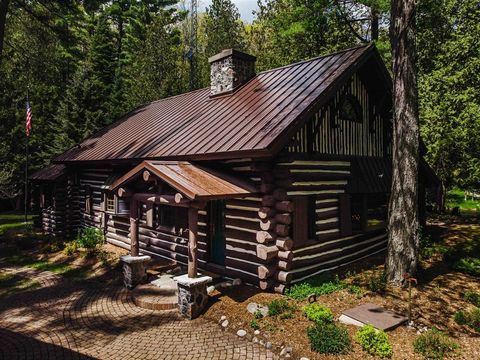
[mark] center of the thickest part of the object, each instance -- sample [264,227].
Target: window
[350,109]
[110,203]
[116,205]
[369,211]
[304,219]
[166,216]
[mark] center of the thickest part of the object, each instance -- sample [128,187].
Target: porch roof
[193,181]
[50,173]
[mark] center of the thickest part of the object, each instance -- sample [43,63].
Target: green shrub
[254,324]
[469,318]
[472,297]
[433,344]
[70,248]
[321,285]
[279,306]
[461,318]
[318,312]
[374,341]
[377,282]
[468,265]
[329,339]
[89,238]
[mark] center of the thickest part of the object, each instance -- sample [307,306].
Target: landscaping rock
[256,332]
[223,318]
[312,298]
[255,340]
[304,358]
[252,308]
[241,333]
[268,345]
[286,351]
[210,289]
[224,323]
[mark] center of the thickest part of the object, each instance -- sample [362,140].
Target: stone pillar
[192,295]
[134,270]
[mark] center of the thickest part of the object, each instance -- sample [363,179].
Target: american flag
[28,121]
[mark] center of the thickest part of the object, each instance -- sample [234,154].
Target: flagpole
[26,171]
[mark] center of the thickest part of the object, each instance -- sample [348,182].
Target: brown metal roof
[191,180]
[248,122]
[50,173]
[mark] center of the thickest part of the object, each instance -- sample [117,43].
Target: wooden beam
[134,247]
[192,242]
[122,192]
[147,176]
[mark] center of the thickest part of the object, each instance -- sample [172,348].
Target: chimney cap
[231,52]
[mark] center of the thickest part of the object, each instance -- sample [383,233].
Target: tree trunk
[403,238]
[374,24]
[3,20]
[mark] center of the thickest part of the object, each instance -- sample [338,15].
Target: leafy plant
[258,314]
[279,306]
[321,285]
[329,338]
[468,265]
[472,297]
[469,318]
[254,324]
[70,248]
[89,238]
[434,344]
[377,282]
[318,312]
[374,341]
[461,318]
[356,290]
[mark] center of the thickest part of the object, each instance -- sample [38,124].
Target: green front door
[216,213]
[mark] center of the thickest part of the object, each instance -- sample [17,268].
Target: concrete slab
[373,314]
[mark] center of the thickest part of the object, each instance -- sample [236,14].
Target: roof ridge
[317,58]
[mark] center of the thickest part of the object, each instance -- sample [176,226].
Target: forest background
[83,64]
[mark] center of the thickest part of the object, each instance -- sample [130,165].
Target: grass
[43,265]
[318,285]
[456,198]
[11,284]
[13,221]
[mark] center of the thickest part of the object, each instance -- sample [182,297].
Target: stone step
[152,297]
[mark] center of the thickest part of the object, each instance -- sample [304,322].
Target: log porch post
[134,249]
[192,241]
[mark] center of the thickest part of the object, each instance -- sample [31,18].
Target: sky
[245,7]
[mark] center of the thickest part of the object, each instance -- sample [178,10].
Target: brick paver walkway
[64,320]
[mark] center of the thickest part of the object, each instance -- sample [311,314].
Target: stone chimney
[229,70]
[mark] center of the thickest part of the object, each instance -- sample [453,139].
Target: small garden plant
[321,285]
[254,324]
[472,297]
[318,312]
[328,338]
[374,341]
[468,265]
[279,307]
[377,282]
[469,318]
[90,238]
[434,344]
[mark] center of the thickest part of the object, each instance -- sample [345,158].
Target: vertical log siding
[325,133]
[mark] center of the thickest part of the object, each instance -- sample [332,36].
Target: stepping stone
[372,314]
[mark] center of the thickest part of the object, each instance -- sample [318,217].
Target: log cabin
[271,177]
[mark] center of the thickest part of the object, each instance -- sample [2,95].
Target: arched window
[350,109]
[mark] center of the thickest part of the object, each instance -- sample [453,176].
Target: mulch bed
[437,297]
